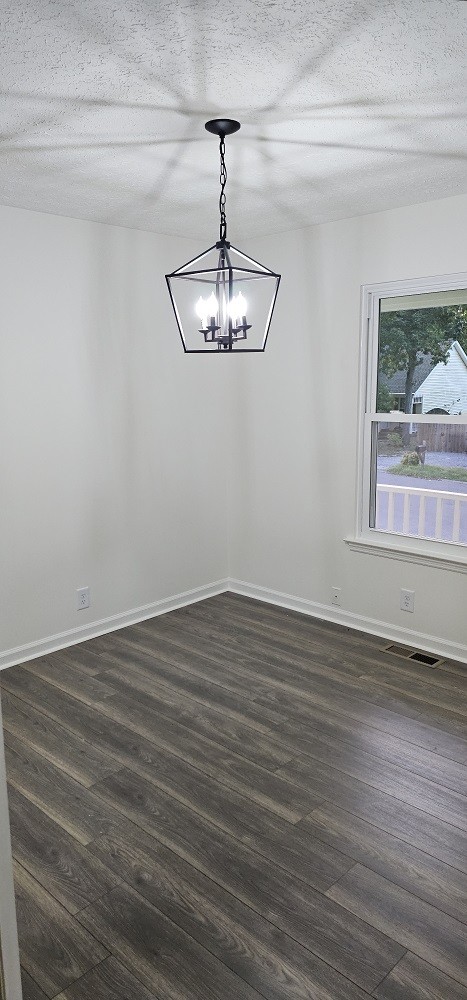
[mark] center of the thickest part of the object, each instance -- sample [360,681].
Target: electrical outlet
[407,600]
[83,598]
[336,596]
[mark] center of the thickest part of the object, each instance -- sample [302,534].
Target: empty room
[233,593]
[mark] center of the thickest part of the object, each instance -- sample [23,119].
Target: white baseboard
[62,639]
[430,643]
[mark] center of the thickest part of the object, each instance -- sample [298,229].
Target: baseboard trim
[430,643]
[69,638]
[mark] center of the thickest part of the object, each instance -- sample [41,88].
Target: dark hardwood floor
[236,801]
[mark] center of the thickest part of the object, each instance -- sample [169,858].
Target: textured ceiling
[347,107]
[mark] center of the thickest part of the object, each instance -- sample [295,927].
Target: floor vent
[413,654]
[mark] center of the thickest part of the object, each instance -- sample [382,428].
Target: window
[413,469]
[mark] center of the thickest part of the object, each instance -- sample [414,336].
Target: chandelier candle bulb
[237,309]
[223,271]
[205,308]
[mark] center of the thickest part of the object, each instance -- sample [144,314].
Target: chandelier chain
[222,198]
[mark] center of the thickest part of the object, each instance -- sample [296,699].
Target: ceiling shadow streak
[153,196]
[98,146]
[92,102]
[359,16]
[293,218]
[361,108]
[454,155]
[146,74]
[190,139]
[291,113]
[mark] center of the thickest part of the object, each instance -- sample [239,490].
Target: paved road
[450,459]
[450,485]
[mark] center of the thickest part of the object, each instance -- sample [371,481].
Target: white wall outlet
[83,598]
[336,596]
[407,600]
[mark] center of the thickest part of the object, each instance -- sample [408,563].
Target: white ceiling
[347,107]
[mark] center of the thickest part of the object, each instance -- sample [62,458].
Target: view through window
[416,432]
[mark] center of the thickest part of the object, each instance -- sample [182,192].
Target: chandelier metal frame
[225,321]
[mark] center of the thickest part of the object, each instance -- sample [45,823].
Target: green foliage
[384,399]
[430,472]
[406,333]
[395,439]
[459,324]
[410,458]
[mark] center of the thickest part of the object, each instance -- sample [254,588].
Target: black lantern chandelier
[223,300]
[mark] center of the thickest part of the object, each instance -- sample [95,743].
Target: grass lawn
[430,472]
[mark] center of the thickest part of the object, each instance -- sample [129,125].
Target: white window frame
[371,538]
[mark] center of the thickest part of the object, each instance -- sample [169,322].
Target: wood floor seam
[275,926]
[77,981]
[251,804]
[381,829]
[388,974]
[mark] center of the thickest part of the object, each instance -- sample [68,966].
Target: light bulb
[237,308]
[205,308]
[200,308]
[212,305]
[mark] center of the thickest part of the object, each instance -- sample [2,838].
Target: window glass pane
[422,353]
[420,477]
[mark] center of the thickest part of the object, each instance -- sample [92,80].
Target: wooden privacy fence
[422,513]
[443,437]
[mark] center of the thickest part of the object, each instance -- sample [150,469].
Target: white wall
[293,473]
[112,443]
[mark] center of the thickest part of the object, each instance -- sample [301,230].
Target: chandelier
[223,300]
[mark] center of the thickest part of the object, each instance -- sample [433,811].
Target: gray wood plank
[243,817]
[58,744]
[225,731]
[294,850]
[418,926]
[206,685]
[221,731]
[350,947]
[269,960]
[58,862]
[108,981]
[207,710]
[443,803]
[344,659]
[299,644]
[55,949]
[68,803]
[351,650]
[167,960]
[63,673]
[85,656]
[447,695]
[31,990]
[412,869]
[414,979]
[327,729]
[272,791]
[444,733]
[437,838]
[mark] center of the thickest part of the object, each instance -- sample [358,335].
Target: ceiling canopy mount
[222,126]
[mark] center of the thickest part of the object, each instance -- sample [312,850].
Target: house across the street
[438,388]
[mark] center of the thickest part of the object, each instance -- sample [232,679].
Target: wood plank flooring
[237,801]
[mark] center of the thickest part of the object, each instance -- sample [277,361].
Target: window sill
[427,558]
